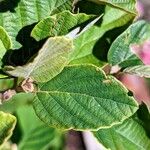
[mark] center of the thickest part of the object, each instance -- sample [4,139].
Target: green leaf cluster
[56,59]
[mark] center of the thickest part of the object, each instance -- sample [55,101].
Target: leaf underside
[6,126]
[140,70]
[49,62]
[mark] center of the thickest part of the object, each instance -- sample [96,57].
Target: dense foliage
[57,60]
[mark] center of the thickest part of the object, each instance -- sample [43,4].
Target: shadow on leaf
[144,116]
[102,46]
[89,7]
[29,48]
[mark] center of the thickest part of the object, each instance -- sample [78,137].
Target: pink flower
[143,51]
[140,8]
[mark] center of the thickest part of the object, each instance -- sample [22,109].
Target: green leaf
[3,76]
[140,70]
[89,59]
[41,137]
[5,43]
[27,124]
[49,62]
[126,5]
[115,18]
[59,24]
[6,83]
[130,135]
[85,43]
[6,126]
[5,39]
[143,114]
[28,12]
[66,5]
[18,100]
[83,98]
[120,52]
[33,129]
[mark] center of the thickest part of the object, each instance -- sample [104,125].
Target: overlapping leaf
[121,53]
[50,61]
[113,18]
[66,5]
[89,59]
[84,44]
[82,97]
[5,39]
[6,126]
[129,135]
[5,43]
[58,25]
[28,12]
[127,5]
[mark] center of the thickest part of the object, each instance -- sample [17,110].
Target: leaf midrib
[85,95]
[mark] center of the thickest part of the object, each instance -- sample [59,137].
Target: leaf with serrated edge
[85,43]
[7,125]
[130,135]
[29,12]
[82,97]
[50,61]
[120,52]
[58,25]
[4,37]
[5,43]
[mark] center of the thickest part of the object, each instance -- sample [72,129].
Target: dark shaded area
[8,5]
[3,73]
[89,7]
[17,133]
[29,48]
[74,141]
[102,46]
[130,93]
[144,116]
